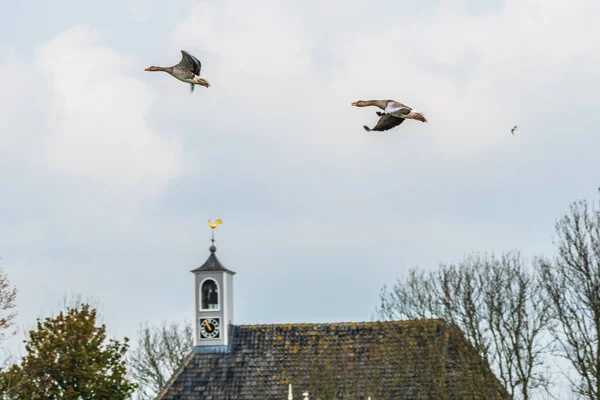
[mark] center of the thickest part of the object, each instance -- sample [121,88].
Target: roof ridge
[419,321]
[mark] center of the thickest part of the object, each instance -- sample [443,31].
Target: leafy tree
[69,358]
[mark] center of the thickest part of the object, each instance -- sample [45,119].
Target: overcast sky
[108,174]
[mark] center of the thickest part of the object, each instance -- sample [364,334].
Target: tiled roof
[213,263]
[385,360]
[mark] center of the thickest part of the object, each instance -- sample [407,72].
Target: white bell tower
[213,303]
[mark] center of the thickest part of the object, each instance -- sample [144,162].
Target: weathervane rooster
[213,225]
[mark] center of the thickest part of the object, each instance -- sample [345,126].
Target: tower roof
[213,263]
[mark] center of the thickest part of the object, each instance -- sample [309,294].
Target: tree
[8,295]
[496,303]
[572,284]
[69,358]
[159,353]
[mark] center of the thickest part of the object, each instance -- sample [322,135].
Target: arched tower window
[210,295]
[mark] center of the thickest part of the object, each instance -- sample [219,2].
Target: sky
[108,173]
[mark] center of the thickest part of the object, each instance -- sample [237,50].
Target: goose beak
[204,83]
[420,117]
[147,69]
[355,103]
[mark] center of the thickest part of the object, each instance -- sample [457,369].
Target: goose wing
[189,62]
[396,108]
[387,122]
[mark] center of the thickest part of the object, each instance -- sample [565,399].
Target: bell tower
[213,302]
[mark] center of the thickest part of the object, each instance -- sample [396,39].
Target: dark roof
[384,360]
[213,263]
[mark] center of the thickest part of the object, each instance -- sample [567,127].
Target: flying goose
[394,113]
[188,70]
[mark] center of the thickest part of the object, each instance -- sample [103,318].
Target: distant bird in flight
[513,129]
[188,70]
[213,225]
[393,114]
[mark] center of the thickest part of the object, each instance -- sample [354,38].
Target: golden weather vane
[213,225]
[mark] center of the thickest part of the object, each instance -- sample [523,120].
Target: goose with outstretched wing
[188,70]
[394,113]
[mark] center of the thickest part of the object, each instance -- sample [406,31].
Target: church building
[419,359]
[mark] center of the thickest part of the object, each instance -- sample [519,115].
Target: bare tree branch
[572,283]
[496,302]
[8,295]
[159,352]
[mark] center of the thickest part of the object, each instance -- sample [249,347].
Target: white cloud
[15,105]
[474,76]
[261,38]
[140,10]
[97,126]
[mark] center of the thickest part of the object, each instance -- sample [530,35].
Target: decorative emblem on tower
[213,225]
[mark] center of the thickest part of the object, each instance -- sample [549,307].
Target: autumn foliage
[69,357]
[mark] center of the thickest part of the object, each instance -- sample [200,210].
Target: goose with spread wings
[394,113]
[188,70]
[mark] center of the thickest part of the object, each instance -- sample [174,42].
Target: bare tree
[159,353]
[8,295]
[572,283]
[497,304]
